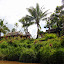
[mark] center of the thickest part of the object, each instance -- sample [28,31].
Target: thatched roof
[13,33]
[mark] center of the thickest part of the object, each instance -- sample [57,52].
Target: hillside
[47,50]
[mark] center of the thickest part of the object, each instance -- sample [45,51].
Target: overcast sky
[12,10]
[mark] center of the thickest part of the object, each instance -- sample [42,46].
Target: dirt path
[14,62]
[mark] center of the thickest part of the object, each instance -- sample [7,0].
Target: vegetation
[47,50]
[26,23]
[3,28]
[55,21]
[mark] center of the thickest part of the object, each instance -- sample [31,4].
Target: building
[16,34]
[51,31]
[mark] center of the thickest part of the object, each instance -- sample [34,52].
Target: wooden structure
[16,34]
[52,31]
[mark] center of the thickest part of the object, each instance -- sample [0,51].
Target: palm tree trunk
[37,31]
[26,31]
[0,35]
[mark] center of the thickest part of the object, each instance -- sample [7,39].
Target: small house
[16,34]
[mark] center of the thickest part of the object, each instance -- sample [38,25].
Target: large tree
[57,19]
[36,14]
[62,16]
[3,28]
[26,21]
[48,24]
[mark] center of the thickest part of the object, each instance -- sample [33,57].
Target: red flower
[51,45]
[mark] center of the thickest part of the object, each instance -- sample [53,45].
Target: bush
[4,44]
[62,41]
[34,50]
[28,56]
[51,56]
[2,56]
[13,53]
[50,36]
[57,57]
[44,54]
[38,46]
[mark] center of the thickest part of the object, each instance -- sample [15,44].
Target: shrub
[4,44]
[50,36]
[44,54]
[14,53]
[62,41]
[38,46]
[57,57]
[28,56]
[51,56]
[2,56]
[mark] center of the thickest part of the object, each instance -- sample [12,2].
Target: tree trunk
[37,31]
[58,30]
[0,35]
[63,28]
[49,30]
[26,31]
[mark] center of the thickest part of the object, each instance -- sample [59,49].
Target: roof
[51,30]
[18,33]
[13,33]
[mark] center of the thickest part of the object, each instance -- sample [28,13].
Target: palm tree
[3,28]
[37,14]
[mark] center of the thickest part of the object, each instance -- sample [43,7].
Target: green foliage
[62,41]
[47,50]
[28,55]
[1,56]
[4,44]
[57,57]
[45,53]
[13,54]
[50,36]
[38,46]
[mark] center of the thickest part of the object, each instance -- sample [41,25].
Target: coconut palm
[3,28]
[37,14]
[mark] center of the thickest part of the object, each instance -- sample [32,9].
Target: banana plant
[3,28]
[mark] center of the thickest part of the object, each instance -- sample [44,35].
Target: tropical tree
[26,23]
[16,26]
[62,16]
[48,24]
[36,14]
[56,19]
[13,30]
[3,28]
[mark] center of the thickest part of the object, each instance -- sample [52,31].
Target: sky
[13,10]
